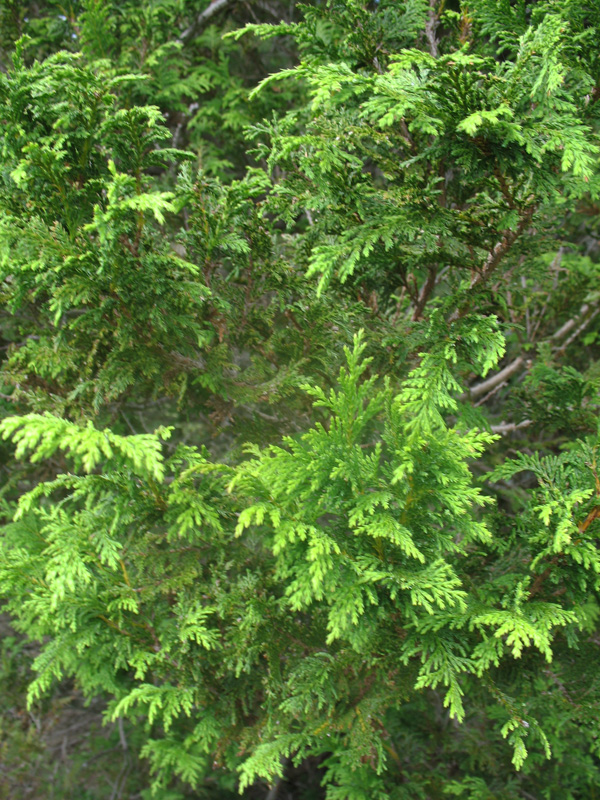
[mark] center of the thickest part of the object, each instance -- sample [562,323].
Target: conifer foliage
[299,390]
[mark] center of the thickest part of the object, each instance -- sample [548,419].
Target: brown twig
[581,527]
[425,293]
[494,258]
[594,514]
[539,581]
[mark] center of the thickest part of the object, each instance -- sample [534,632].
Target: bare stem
[425,293]
[494,258]
[430,29]
[203,18]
